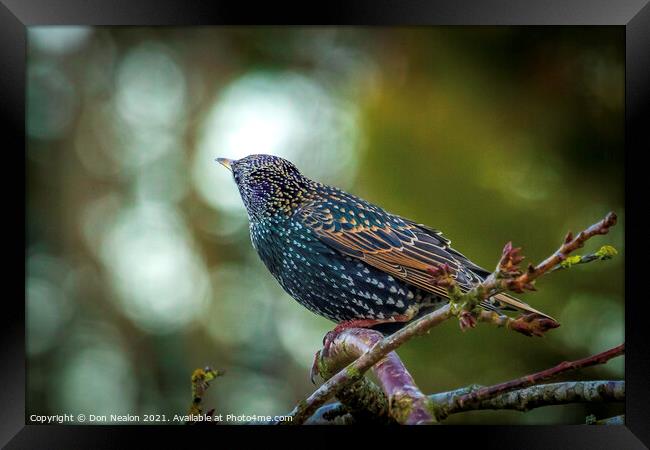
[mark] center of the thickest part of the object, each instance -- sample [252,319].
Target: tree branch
[201,379]
[527,324]
[545,395]
[500,281]
[365,402]
[332,414]
[406,404]
[519,400]
[360,366]
[481,394]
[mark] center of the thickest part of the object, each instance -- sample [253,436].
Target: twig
[200,382]
[520,283]
[527,324]
[509,277]
[528,380]
[604,253]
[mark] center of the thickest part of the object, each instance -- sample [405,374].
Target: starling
[343,257]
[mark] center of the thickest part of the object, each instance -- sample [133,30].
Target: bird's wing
[397,246]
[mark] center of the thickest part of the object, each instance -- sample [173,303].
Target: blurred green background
[139,263]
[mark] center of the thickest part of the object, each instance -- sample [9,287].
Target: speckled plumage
[339,255]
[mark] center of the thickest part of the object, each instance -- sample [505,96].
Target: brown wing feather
[397,246]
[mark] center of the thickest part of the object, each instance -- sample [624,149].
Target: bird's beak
[227,163]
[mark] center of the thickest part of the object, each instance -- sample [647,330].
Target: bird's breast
[327,282]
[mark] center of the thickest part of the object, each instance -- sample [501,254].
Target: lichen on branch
[201,379]
[522,400]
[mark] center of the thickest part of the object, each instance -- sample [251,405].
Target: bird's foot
[315,370]
[331,336]
[338,329]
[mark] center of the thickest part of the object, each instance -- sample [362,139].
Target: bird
[345,258]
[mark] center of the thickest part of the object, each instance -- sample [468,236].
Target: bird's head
[268,185]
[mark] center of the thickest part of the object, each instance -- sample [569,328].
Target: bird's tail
[516,304]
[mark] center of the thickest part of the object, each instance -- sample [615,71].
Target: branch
[481,394]
[200,382]
[365,402]
[509,277]
[605,252]
[332,414]
[519,400]
[359,367]
[406,404]
[543,395]
[527,324]
[500,281]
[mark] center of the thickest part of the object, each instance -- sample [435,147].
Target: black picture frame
[16,15]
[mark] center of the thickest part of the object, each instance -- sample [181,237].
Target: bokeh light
[51,101]
[49,307]
[150,87]
[58,40]
[98,376]
[284,114]
[160,282]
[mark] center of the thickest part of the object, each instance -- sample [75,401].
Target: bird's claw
[315,371]
[328,340]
